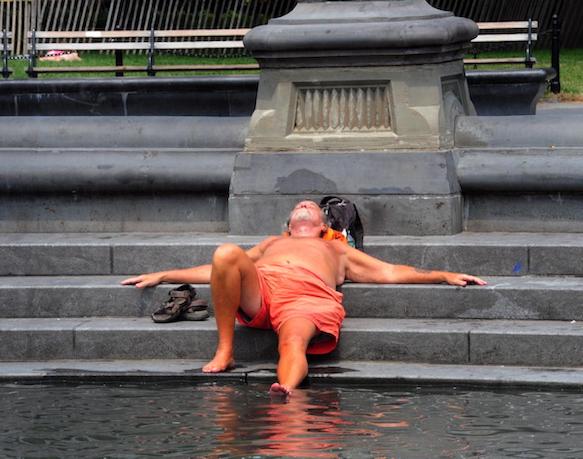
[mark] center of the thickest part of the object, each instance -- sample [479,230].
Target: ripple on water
[211,420]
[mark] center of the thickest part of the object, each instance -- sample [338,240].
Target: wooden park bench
[525,32]
[151,41]
[497,34]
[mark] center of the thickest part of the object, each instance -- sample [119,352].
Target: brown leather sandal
[177,304]
[196,310]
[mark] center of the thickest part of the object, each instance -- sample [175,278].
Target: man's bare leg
[294,337]
[234,284]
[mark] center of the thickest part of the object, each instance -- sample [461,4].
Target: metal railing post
[555,54]
[119,62]
[5,69]
[32,56]
[529,62]
[151,52]
[118,53]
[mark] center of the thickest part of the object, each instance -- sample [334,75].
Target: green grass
[571,66]
[571,69]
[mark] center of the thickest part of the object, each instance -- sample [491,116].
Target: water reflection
[310,424]
[224,421]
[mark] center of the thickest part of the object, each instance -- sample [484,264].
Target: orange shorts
[290,291]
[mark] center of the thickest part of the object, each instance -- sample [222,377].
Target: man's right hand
[144,280]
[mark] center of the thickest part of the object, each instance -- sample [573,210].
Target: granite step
[526,297]
[435,341]
[484,254]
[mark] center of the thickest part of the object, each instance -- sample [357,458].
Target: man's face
[306,212]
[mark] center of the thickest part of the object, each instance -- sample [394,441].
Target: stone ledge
[557,130]
[489,239]
[224,95]
[380,214]
[331,372]
[63,132]
[508,92]
[116,170]
[542,170]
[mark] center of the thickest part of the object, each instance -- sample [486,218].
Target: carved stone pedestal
[356,78]
[359,75]
[397,193]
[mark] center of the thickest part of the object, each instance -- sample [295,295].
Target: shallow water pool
[212,420]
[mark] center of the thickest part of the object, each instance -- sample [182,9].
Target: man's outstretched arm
[195,275]
[361,267]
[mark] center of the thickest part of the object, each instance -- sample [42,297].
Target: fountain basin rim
[504,76]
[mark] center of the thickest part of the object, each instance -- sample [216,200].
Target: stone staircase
[89,200]
[63,311]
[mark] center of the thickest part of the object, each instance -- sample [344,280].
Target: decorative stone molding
[339,108]
[340,33]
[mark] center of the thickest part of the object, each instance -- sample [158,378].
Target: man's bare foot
[219,364]
[279,390]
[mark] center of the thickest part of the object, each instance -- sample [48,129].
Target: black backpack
[343,216]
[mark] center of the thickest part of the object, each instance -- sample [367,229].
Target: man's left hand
[462,280]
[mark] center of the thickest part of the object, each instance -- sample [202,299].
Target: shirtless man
[288,283]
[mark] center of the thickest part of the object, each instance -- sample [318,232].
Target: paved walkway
[553,108]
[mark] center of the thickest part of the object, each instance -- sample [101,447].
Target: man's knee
[228,254]
[292,342]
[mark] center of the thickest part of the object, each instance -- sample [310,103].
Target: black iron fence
[219,14]
[20,16]
[569,13]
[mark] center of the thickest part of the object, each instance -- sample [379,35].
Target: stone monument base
[396,193]
[356,108]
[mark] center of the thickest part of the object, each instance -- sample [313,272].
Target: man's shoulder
[339,246]
[268,241]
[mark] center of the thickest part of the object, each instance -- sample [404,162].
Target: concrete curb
[331,372]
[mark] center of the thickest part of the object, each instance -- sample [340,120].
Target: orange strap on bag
[329,235]
[332,235]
